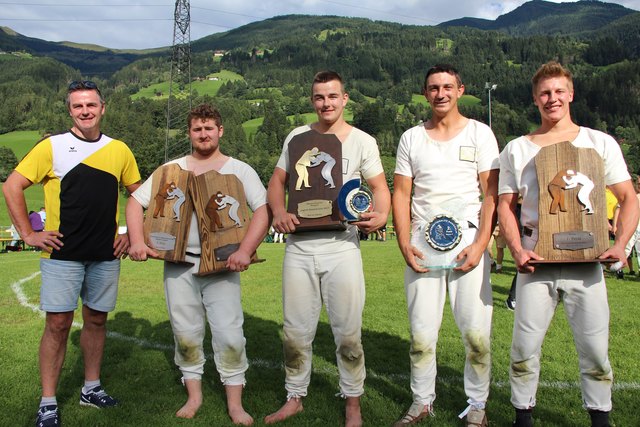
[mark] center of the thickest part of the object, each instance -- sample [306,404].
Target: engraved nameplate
[162,241]
[224,252]
[315,208]
[573,240]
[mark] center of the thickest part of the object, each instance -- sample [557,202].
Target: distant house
[219,52]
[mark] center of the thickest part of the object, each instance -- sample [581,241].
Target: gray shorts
[96,282]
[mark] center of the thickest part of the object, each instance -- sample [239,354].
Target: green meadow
[138,363]
[20,141]
[250,127]
[209,86]
[418,98]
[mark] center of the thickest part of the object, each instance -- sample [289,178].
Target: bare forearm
[488,209]
[402,210]
[135,221]
[276,194]
[509,227]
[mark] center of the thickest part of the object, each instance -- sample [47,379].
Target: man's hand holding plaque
[141,252]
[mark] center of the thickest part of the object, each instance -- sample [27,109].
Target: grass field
[250,127]
[138,365]
[418,98]
[203,87]
[20,141]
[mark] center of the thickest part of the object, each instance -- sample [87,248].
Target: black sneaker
[48,416]
[511,303]
[620,274]
[599,418]
[98,398]
[524,418]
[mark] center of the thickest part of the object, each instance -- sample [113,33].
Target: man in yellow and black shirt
[81,172]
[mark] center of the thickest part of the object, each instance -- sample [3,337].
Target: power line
[85,5]
[85,20]
[226,12]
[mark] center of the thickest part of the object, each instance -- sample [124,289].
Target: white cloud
[120,24]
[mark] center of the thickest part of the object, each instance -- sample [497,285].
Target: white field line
[269,364]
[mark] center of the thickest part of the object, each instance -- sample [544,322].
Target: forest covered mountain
[542,17]
[89,59]
[383,64]
[590,19]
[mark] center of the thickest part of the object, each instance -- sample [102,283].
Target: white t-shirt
[445,173]
[254,191]
[360,159]
[518,168]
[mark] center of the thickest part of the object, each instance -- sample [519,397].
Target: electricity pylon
[177,139]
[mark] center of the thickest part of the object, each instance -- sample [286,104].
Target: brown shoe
[416,413]
[476,418]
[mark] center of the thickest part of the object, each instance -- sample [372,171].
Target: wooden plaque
[167,220]
[315,179]
[572,207]
[223,218]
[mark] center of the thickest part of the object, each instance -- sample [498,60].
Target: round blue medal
[443,233]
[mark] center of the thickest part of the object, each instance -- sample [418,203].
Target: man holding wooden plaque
[551,197]
[191,297]
[323,262]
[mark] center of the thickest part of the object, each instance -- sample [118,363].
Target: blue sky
[140,24]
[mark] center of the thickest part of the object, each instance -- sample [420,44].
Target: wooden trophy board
[223,219]
[314,198]
[166,224]
[572,216]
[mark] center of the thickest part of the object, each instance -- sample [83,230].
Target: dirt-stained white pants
[472,306]
[191,302]
[337,280]
[582,289]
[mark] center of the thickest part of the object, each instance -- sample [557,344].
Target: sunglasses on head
[82,84]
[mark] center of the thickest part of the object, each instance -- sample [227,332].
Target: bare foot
[240,417]
[352,415]
[189,409]
[194,399]
[289,409]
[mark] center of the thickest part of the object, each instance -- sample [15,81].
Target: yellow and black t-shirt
[81,181]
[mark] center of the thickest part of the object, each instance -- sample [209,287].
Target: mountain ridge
[583,19]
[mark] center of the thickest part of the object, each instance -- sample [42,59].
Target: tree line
[383,66]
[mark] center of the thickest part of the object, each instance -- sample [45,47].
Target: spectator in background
[14,235]
[36,221]
[277,236]
[612,206]
[634,242]
[500,246]
[43,216]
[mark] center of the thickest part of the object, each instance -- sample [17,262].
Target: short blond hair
[548,70]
